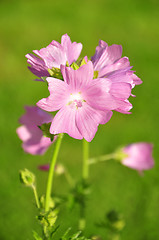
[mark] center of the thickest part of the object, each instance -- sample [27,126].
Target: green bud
[27,178]
[45,129]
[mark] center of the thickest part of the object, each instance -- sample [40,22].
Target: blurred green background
[28,25]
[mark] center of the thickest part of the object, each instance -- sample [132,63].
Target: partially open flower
[139,156]
[53,56]
[32,136]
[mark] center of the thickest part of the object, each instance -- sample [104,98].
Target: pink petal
[58,95]
[35,116]
[121,90]
[72,50]
[78,78]
[124,107]
[64,122]
[37,146]
[106,56]
[139,156]
[106,116]
[23,133]
[122,63]
[53,56]
[87,120]
[98,95]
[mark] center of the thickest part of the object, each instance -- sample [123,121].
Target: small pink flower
[33,140]
[108,62]
[53,55]
[139,156]
[83,102]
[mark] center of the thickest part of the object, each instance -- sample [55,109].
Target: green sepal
[56,73]
[95,74]
[45,129]
[74,66]
[83,62]
[119,154]
[67,64]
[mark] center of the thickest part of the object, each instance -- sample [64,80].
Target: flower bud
[137,156]
[27,178]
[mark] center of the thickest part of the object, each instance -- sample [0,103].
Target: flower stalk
[85,170]
[51,171]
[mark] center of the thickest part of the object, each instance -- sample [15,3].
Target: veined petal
[78,78]
[106,116]
[98,95]
[58,95]
[64,122]
[121,90]
[72,50]
[53,56]
[107,55]
[124,107]
[109,69]
[87,120]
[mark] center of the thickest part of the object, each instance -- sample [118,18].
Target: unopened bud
[27,178]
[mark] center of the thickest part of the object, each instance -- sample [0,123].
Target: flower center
[76,100]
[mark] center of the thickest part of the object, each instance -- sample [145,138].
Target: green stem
[85,170]
[36,196]
[51,171]
[85,175]
[101,158]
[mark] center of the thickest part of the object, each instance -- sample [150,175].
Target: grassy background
[28,25]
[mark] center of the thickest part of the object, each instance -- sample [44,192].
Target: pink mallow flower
[139,156]
[33,140]
[53,55]
[108,63]
[83,102]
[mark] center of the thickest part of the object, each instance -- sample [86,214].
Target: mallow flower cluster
[83,93]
